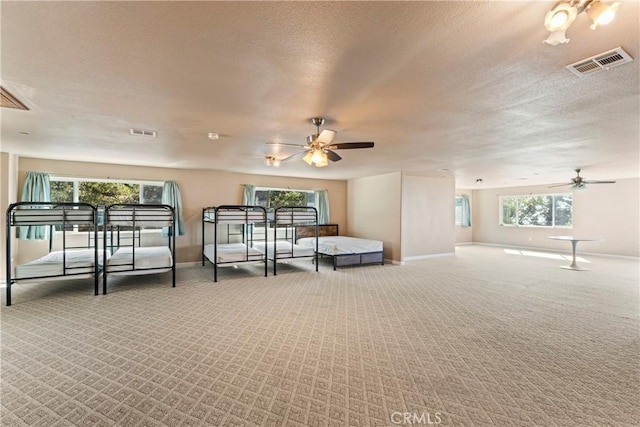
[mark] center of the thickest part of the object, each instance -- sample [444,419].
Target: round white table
[574,243]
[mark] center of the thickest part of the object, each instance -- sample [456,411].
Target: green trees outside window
[537,210]
[105,193]
[272,199]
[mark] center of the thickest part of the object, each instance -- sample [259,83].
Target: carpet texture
[485,337]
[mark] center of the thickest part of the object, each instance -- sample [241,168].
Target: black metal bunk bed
[281,237]
[59,219]
[124,253]
[235,245]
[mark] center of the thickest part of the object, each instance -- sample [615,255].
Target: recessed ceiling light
[444,170]
[24,133]
[213,135]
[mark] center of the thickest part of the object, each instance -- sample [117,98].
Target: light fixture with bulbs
[565,12]
[271,161]
[316,157]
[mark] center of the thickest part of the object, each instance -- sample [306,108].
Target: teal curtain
[466,211]
[322,204]
[171,196]
[37,188]
[249,195]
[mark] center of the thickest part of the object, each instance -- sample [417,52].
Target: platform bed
[343,250]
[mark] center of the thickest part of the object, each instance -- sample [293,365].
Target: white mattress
[152,257]
[338,245]
[284,249]
[233,252]
[144,217]
[235,217]
[52,216]
[77,262]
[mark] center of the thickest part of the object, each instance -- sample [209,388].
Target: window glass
[564,210]
[458,210]
[107,193]
[272,199]
[104,193]
[61,191]
[152,194]
[509,210]
[535,210]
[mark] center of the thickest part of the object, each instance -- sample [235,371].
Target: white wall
[465,234]
[373,211]
[8,195]
[607,211]
[199,188]
[428,216]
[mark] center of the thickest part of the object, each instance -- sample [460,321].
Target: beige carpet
[482,338]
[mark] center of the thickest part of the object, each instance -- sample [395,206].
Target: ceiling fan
[579,183]
[320,147]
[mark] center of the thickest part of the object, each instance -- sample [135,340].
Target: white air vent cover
[601,62]
[143,132]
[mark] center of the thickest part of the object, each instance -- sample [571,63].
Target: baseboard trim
[463,243]
[417,257]
[188,264]
[567,251]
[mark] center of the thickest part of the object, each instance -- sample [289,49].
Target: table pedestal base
[571,267]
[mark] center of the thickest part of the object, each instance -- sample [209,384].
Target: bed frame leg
[215,272]
[104,282]
[8,293]
[96,286]
[334,264]
[275,263]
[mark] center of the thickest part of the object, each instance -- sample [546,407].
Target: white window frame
[458,218]
[553,210]
[76,183]
[76,191]
[312,192]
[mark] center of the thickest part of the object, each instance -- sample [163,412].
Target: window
[104,191]
[537,210]
[458,210]
[272,198]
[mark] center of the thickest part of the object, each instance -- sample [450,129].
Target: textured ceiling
[463,86]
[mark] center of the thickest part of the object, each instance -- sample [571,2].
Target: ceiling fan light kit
[564,13]
[319,149]
[271,161]
[578,183]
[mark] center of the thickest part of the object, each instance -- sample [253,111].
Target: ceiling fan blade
[282,143]
[561,185]
[599,182]
[326,136]
[350,145]
[293,156]
[332,155]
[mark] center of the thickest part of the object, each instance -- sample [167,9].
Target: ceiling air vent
[143,132]
[601,62]
[10,101]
